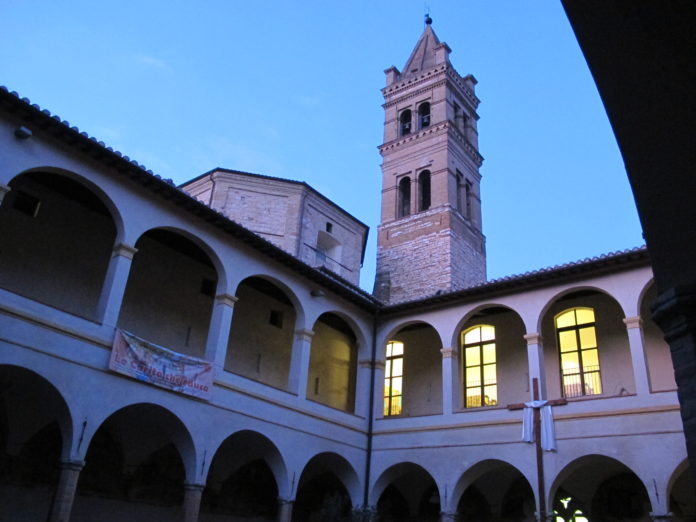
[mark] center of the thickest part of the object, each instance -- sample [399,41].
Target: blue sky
[292,89]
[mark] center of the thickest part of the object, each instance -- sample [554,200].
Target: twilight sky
[292,89]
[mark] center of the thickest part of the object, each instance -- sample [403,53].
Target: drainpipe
[371,402]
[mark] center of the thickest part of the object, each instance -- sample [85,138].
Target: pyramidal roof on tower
[423,56]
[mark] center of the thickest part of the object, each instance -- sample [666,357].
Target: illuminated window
[480,383]
[577,342]
[393,378]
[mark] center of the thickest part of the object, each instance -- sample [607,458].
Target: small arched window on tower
[467,199]
[424,190]
[424,115]
[405,123]
[404,203]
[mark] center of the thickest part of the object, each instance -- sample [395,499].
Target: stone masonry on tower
[429,238]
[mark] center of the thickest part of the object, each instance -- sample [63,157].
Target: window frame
[582,370]
[482,384]
[389,394]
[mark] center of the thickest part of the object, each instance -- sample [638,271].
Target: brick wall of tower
[420,255]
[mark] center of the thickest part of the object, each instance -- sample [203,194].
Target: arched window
[393,378]
[424,190]
[577,343]
[479,362]
[467,199]
[424,115]
[404,203]
[405,123]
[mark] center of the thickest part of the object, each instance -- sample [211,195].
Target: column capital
[365,363]
[284,501]
[4,189]
[633,322]
[194,487]
[532,338]
[304,335]
[226,299]
[449,353]
[380,365]
[73,465]
[124,250]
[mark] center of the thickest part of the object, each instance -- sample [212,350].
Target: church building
[203,352]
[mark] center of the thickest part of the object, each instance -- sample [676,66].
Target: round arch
[36,433]
[384,339]
[576,290]
[406,489]
[20,385]
[289,293]
[328,483]
[361,337]
[213,257]
[493,485]
[105,199]
[247,474]
[479,310]
[598,485]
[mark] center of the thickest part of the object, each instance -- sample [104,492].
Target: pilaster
[192,501]
[299,363]
[636,345]
[362,400]
[450,380]
[219,330]
[115,282]
[65,490]
[284,510]
[535,362]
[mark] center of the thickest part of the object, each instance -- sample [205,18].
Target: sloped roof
[423,55]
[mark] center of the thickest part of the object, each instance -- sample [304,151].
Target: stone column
[299,363]
[675,312]
[192,501]
[114,287]
[219,330]
[362,388]
[535,362]
[450,380]
[65,490]
[4,189]
[284,510]
[635,342]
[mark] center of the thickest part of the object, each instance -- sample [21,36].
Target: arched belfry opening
[404,202]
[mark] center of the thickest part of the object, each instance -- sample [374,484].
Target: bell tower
[429,238]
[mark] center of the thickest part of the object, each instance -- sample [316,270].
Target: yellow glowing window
[479,365]
[393,378]
[577,343]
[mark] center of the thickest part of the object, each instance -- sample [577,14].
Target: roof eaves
[598,265]
[97,150]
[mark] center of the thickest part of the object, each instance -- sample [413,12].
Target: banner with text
[156,365]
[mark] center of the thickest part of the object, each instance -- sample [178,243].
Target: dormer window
[424,115]
[405,123]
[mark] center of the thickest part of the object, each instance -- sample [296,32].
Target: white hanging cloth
[548,433]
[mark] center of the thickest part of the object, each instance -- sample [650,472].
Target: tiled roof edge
[535,278]
[123,165]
